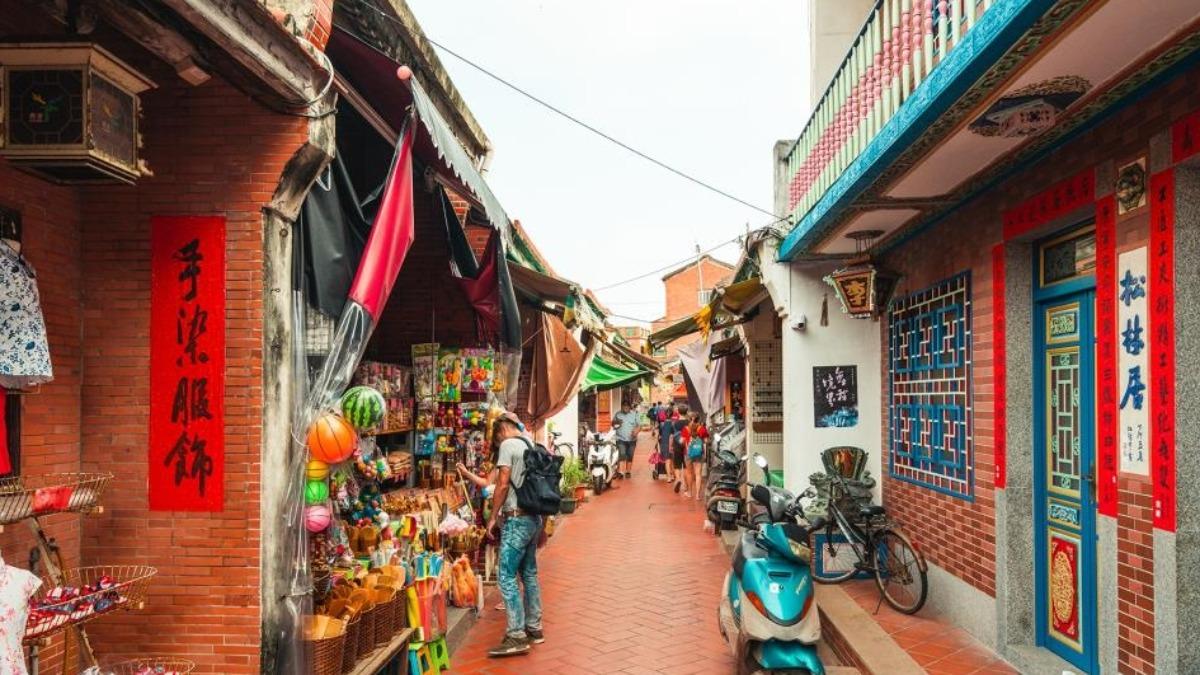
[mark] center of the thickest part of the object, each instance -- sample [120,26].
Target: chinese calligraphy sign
[1106,355]
[187,364]
[835,396]
[1161,342]
[1133,369]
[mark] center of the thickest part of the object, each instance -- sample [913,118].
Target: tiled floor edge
[870,648]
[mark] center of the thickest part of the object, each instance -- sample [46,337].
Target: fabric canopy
[559,363]
[565,296]
[724,310]
[706,377]
[603,375]
[727,347]
[641,359]
[331,233]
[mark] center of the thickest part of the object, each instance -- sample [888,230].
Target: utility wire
[573,119]
[664,268]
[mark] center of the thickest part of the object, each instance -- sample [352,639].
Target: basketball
[363,407]
[331,439]
[316,470]
[317,518]
[316,492]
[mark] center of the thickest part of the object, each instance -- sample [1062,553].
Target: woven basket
[25,496]
[350,651]
[366,631]
[166,665]
[385,620]
[128,591]
[324,639]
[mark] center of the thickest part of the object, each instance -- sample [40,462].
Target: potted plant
[572,477]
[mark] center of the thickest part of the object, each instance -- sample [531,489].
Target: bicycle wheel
[835,576]
[899,572]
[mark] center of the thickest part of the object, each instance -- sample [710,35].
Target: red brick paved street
[630,584]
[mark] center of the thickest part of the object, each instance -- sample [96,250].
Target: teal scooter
[768,615]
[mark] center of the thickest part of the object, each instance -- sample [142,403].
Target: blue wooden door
[1064,477]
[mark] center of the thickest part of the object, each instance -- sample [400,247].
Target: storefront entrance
[1064,447]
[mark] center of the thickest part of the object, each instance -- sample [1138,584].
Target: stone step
[856,639]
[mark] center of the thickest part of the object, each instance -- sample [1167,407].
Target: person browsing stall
[518,542]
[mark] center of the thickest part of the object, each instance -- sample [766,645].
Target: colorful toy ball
[316,492]
[363,407]
[316,470]
[331,439]
[317,518]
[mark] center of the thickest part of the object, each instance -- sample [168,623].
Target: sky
[706,86]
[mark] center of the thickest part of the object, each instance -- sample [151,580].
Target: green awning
[603,375]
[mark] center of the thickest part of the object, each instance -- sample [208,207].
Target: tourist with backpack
[527,489]
[666,427]
[693,437]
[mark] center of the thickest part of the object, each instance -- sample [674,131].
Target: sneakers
[511,646]
[536,635]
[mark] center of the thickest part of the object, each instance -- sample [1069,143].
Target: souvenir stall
[398,394]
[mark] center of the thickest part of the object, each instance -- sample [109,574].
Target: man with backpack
[526,490]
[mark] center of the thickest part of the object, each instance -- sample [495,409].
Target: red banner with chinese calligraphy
[1185,137]
[1106,355]
[1162,347]
[1058,200]
[187,363]
[999,369]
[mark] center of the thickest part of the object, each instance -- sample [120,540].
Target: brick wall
[681,292]
[957,535]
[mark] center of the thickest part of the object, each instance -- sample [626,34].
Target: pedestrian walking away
[666,427]
[626,422]
[518,542]
[694,436]
[678,424]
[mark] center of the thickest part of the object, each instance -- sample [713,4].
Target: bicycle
[899,568]
[561,448]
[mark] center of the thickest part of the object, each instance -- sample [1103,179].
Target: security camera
[801,323]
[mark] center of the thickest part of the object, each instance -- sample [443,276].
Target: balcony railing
[902,42]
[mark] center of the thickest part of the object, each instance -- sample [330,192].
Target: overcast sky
[706,86]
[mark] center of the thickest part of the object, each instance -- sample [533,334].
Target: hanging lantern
[863,288]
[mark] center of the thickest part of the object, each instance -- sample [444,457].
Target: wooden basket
[324,639]
[160,665]
[350,651]
[25,496]
[127,591]
[366,631]
[385,620]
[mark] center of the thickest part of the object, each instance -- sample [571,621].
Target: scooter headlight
[801,551]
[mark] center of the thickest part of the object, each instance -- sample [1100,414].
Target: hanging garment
[24,352]
[16,588]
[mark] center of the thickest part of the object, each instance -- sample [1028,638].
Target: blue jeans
[518,557]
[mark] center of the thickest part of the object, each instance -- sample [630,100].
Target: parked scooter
[723,491]
[767,613]
[602,458]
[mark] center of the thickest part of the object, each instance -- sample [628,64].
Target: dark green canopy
[603,375]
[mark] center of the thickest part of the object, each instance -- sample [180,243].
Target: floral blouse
[16,587]
[24,353]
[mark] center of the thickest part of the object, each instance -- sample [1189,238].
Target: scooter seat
[748,549]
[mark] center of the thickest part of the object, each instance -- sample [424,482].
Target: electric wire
[664,268]
[575,120]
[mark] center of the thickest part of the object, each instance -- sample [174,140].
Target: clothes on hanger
[17,586]
[24,351]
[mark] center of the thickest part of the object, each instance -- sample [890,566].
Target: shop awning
[641,359]
[566,296]
[727,347]
[740,297]
[724,310]
[373,75]
[603,375]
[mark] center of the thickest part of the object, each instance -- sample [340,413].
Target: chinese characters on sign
[835,396]
[1161,341]
[1106,355]
[1058,200]
[1133,371]
[187,364]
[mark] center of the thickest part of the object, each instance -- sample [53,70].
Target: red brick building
[1035,201]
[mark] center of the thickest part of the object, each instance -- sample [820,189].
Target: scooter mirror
[760,461]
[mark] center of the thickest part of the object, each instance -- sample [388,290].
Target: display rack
[114,588]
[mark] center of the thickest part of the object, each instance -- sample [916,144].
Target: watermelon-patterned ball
[316,492]
[363,407]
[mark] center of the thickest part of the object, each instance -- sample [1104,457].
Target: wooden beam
[157,38]
[248,32]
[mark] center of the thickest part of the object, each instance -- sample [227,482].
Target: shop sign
[1106,355]
[1056,201]
[835,396]
[187,364]
[1162,347]
[1133,367]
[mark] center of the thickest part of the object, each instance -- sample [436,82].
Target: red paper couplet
[1162,347]
[1055,201]
[1106,355]
[1185,137]
[187,363]
[999,369]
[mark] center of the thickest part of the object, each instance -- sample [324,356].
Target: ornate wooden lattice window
[931,413]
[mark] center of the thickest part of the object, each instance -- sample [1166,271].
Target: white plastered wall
[798,290]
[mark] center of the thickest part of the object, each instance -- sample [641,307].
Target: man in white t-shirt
[518,542]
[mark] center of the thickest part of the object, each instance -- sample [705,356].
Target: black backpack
[538,493]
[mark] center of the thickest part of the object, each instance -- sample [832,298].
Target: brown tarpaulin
[559,363]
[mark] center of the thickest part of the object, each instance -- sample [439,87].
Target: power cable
[573,119]
[664,268]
